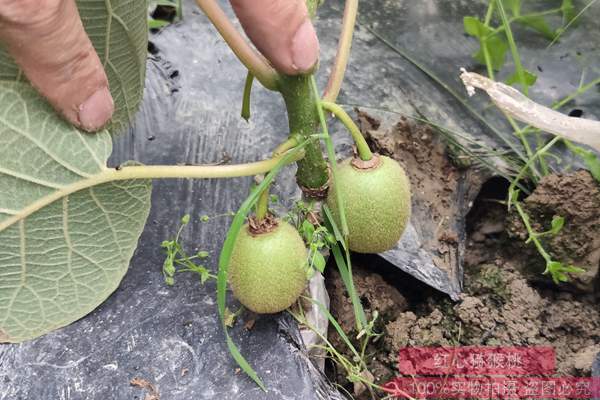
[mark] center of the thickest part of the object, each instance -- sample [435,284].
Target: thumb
[47,40]
[281,30]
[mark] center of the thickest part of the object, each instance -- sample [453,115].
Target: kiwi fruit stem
[364,152]
[262,205]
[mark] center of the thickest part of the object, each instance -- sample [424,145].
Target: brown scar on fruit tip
[150,387]
[265,225]
[373,163]
[4,338]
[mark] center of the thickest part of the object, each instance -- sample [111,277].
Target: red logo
[485,373]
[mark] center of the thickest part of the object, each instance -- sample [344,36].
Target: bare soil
[505,301]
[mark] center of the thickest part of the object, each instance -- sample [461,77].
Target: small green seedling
[316,236]
[176,259]
[355,367]
[531,165]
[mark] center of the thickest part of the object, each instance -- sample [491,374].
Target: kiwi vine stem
[301,108]
[343,52]
[256,63]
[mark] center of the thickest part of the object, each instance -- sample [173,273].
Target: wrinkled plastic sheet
[171,336]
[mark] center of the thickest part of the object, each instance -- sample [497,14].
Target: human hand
[281,30]
[47,40]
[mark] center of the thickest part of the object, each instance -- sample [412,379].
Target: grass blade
[345,267]
[520,72]
[333,227]
[331,156]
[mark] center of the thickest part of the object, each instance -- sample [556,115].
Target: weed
[317,237]
[494,43]
[355,367]
[177,260]
[556,269]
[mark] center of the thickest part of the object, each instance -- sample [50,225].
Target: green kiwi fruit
[268,270]
[376,198]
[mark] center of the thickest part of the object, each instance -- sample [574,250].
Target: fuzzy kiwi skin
[267,271]
[376,202]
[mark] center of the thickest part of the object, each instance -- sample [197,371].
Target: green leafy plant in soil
[177,260]
[60,201]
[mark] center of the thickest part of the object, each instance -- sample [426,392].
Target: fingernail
[95,112]
[305,47]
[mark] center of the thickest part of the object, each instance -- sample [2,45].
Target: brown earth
[504,301]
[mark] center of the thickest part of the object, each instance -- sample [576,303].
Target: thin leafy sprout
[520,72]
[556,269]
[316,236]
[177,256]
[539,153]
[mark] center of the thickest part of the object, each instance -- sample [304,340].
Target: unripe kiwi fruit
[268,270]
[376,202]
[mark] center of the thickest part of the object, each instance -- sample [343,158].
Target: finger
[47,40]
[281,30]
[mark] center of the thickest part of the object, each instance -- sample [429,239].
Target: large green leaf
[119,31]
[65,236]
